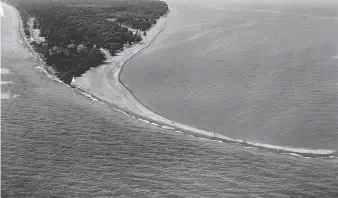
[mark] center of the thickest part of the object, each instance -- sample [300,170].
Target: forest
[75,30]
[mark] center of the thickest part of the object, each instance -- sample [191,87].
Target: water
[260,73]
[57,142]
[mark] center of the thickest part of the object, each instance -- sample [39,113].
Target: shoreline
[99,82]
[132,106]
[24,41]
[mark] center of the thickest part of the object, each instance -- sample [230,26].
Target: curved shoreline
[24,41]
[115,92]
[132,106]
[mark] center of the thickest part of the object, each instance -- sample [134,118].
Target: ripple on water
[4,71]
[5,82]
[7,96]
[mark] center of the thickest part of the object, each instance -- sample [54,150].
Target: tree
[35,25]
[28,33]
[96,56]
[71,31]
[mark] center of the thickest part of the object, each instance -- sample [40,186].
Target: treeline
[75,30]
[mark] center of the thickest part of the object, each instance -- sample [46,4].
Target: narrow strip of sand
[104,83]
[29,48]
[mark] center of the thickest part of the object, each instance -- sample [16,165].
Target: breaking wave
[7,96]
[5,82]
[4,71]
[2,13]
[292,151]
[206,135]
[304,152]
[43,69]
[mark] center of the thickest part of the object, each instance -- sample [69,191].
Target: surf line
[213,136]
[145,112]
[52,75]
[177,127]
[47,70]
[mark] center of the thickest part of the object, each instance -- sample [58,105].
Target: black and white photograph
[169,98]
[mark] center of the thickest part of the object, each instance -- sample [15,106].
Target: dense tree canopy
[75,30]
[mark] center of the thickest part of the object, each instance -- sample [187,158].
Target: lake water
[264,73]
[56,142]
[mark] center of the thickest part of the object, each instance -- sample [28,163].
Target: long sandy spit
[104,83]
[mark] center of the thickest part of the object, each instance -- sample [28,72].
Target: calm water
[57,142]
[262,73]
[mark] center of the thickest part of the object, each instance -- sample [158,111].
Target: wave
[167,127]
[90,96]
[4,71]
[43,69]
[5,82]
[304,152]
[2,13]
[50,73]
[7,96]
[142,112]
[185,129]
[146,121]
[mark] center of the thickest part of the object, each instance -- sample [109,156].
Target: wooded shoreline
[74,35]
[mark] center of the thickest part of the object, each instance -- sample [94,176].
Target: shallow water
[266,74]
[57,142]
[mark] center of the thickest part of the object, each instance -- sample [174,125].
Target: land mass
[104,83]
[70,35]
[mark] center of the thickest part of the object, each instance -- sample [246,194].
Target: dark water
[57,142]
[265,73]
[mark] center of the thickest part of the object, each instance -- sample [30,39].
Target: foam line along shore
[105,83]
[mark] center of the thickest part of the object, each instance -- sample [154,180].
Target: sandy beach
[26,43]
[104,83]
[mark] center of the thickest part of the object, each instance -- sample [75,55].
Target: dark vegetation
[75,30]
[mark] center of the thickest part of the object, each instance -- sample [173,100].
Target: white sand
[104,82]
[29,48]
